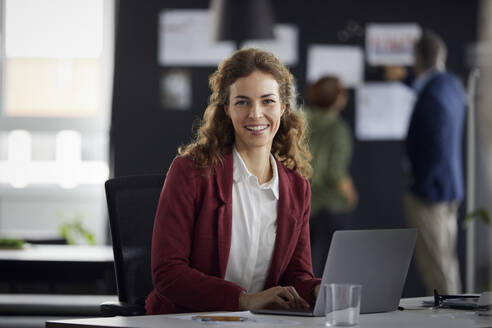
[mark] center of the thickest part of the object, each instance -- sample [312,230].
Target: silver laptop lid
[376,259]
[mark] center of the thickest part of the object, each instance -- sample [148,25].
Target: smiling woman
[216,134]
[232,226]
[255,110]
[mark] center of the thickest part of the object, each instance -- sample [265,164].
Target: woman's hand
[275,298]
[316,291]
[346,187]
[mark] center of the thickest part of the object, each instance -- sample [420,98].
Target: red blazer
[192,238]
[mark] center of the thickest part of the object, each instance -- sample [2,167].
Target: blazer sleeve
[172,239]
[299,271]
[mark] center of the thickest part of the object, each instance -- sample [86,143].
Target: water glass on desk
[342,304]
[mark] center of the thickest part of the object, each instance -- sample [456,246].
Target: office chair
[132,203]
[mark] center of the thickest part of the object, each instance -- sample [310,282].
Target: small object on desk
[218,318]
[484,306]
[11,243]
[459,301]
[342,304]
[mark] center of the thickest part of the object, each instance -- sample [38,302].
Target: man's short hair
[430,50]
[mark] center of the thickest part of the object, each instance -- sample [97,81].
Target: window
[55,94]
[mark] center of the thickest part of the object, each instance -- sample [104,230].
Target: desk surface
[32,311]
[58,253]
[42,304]
[58,269]
[442,318]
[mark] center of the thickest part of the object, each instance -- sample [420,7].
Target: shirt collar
[422,80]
[241,173]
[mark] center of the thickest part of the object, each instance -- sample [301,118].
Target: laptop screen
[376,259]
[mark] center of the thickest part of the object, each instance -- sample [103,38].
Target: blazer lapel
[224,174]
[286,226]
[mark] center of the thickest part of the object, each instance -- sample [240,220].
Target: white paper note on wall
[391,44]
[346,62]
[185,39]
[383,111]
[284,46]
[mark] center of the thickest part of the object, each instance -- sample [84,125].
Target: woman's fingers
[302,301]
[287,294]
[298,300]
[280,302]
[290,295]
[275,297]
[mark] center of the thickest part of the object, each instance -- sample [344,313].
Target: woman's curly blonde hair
[215,135]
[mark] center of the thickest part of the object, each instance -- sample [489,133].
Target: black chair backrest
[132,203]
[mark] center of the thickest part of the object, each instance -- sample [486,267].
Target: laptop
[376,259]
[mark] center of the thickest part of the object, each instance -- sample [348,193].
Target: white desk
[54,269]
[52,305]
[33,310]
[59,253]
[426,318]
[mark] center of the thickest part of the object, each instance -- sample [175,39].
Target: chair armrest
[121,308]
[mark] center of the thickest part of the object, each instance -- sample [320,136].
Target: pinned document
[391,44]
[345,62]
[383,111]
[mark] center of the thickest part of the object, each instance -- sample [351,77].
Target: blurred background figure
[333,193]
[434,150]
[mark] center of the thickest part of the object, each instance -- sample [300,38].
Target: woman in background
[232,225]
[333,194]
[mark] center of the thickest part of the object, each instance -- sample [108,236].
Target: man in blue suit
[434,149]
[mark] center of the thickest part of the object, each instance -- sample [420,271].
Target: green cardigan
[331,146]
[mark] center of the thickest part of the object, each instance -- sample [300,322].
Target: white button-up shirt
[254,226]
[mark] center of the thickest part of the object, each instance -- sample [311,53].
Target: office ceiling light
[240,20]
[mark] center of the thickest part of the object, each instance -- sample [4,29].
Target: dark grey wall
[144,137]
